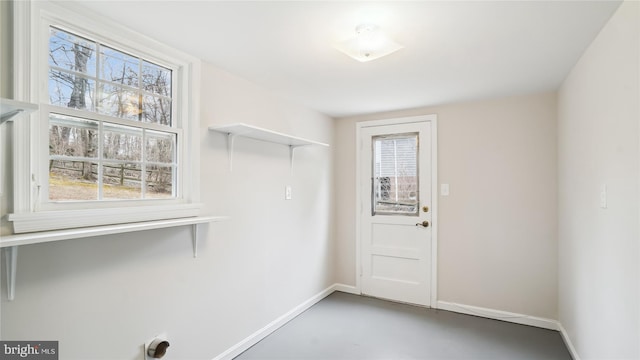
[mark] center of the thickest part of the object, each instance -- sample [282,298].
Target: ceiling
[453,51]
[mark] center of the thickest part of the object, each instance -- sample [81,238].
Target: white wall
[497,229]
[598,135]
[268,258]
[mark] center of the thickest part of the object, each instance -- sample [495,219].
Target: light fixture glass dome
[369,43]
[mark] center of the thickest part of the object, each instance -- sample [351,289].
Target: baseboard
[499,315]
[254,338]
[346,289]
[567,342]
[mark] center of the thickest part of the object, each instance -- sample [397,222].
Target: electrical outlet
[287,192]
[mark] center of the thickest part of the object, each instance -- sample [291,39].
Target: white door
[396,210]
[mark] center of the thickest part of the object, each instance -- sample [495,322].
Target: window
[395,169]
[129,153]
[115,137]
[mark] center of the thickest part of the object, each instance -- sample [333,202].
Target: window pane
[119,102]
[70,90]
[160,147]
[159,182]
[69,178]
[122,143]
[70,136]
[121,181]
[72,180]
[118,67]
[156,110]
[395,168]
[156,79]
[71,52]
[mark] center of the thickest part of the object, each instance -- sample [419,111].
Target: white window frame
[32,209]
[2,155]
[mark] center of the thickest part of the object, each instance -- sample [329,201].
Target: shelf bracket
[194,239]
[11,261]
[230,142]
[9,115]
[292,151]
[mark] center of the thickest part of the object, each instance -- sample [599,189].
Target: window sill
[85,218]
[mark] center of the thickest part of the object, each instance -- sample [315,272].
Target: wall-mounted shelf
[8,110]
[234,130]
[10,243]
[11,108]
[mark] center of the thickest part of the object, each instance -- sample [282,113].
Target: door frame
[433,119]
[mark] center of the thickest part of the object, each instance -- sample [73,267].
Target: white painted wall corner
[513,318]
[254,338]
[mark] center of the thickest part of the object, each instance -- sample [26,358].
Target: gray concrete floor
[344,326]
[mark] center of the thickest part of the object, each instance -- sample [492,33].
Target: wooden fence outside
[158,178]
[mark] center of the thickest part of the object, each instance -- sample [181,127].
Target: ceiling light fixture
[368,44]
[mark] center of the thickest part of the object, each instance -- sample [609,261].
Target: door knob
[423,224]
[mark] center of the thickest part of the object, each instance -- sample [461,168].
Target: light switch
[444,189]
[287,192]
[603,196]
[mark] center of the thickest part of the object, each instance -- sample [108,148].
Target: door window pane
[395,169]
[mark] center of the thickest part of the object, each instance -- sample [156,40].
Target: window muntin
[395,169]
[123,143]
